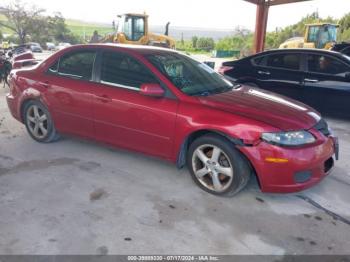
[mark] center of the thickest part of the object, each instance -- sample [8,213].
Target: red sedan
[162,103]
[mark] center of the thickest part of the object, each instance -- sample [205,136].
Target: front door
[124,117]
[327,85]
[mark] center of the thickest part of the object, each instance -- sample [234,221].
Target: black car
[319,78]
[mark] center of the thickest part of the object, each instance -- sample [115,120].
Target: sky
[224,14]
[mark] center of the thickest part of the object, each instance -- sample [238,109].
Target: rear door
[327,84]
[280,73]
[123,116]
[69,82]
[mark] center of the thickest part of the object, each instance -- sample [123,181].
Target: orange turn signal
[276,160]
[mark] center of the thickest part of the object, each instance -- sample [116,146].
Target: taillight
[223,69]
[12,84]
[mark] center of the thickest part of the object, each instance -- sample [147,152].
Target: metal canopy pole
[262,12]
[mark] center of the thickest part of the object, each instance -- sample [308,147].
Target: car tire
[226,171]
[39,123]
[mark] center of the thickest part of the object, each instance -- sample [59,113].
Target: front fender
[196,119]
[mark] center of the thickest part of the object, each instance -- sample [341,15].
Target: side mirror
[150,89]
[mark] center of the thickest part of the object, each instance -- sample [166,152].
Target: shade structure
[262,13]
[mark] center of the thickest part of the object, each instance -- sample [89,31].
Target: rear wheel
[39,123]
[216,166]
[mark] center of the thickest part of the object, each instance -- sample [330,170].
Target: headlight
[293,138]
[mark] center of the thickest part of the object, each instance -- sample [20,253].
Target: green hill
[80,28]
[76,26]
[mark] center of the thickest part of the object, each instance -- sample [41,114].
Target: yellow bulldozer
[134,29]
[319,35]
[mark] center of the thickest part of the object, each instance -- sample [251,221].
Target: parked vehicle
[319,35]
[62,46]
[50,46]
[162,103]
[318,78]
[5,45]
[35,47]
[20,49]
[134,29]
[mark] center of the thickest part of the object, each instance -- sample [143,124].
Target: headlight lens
[293,138]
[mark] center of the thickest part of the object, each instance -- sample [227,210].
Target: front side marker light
[276,160]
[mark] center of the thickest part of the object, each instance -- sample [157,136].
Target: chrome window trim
[120,85]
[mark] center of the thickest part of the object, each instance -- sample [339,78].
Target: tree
[21,19]
[205,43]
[344,29]
[194,41]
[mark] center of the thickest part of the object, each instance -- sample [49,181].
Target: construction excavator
[319,35]
[133,29]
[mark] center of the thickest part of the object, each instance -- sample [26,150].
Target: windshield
[190,76]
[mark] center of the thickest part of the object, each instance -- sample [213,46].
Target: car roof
[300,50]
[141,49]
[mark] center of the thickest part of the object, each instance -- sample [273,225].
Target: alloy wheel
[37,121]
[212,167]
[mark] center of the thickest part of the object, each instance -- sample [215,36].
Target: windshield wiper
[222,90]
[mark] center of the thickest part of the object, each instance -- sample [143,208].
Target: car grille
[322,126]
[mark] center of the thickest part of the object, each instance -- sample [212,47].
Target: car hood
[276,110]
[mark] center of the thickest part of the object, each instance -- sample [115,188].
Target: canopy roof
[274,2]
[262,12]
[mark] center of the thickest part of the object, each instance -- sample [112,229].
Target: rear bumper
[12,105]
[305,167]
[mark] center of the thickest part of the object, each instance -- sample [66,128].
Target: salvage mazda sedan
[162,103]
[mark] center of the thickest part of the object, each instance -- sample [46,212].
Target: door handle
[104,98]
[264,73]
[310,80]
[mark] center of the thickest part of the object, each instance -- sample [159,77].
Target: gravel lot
[80,197]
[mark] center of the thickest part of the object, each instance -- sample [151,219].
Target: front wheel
[39,123]
[216,166]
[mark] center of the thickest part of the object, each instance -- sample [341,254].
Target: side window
[139,28]
[77,65]
[287,61]
[326,65]
[258,60]
[313,34]
[124,71]
[128,27]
